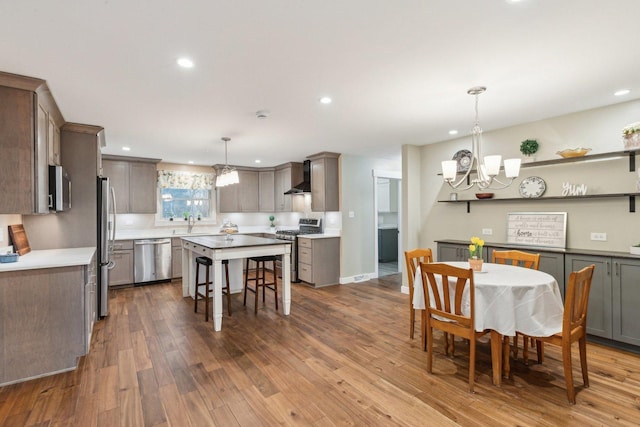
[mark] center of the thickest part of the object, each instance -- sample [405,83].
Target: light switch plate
[601,237]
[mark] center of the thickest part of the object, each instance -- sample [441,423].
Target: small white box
[634,250]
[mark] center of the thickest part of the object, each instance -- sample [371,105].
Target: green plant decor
[272,218]
[529,147]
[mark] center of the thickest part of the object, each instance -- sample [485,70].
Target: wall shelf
[631,154]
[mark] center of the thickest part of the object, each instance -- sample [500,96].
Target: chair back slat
[517,258]
[414,258]
[441,302]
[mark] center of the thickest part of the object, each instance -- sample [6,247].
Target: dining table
[234,249]
[508,299]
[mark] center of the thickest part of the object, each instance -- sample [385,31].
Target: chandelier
[228,175]
[488,169]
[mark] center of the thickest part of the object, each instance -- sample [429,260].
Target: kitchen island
[219,248]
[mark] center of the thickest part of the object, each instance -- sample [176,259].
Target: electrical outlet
[352,214]
[487,231]
[602,237]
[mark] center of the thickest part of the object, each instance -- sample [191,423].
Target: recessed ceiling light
[325,100]
[126,149]
[453,132]
[190,162]
[185,62]
[258,161]
[622,92]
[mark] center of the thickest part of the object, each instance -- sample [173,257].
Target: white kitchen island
[218,248]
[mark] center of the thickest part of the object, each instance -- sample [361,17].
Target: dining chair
[574,327]
[413,259]
[526,260]
[446,313]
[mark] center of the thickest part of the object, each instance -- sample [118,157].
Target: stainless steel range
[305,226]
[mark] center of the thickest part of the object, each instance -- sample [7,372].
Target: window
[184,194]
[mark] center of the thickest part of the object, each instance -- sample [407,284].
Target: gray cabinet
[176,258]
[286,176]
[325,185]
[319,260]
[456,252]
[387,244]
[122,256]
[134,181]
[241,197]
[614,298]
[41,313]
[27,110]
[90,302]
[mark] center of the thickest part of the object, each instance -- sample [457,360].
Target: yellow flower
[472,248]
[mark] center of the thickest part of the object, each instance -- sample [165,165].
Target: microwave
[59,189]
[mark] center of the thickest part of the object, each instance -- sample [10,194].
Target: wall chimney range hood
[305,185]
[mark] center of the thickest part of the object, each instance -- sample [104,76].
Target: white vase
[631,142]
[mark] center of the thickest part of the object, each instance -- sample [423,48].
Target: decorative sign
[569,189]
[537,228]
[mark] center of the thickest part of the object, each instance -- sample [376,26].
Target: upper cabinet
[286,176]
[387,195]
[134,181]
[325,185]
[241,197]
[29,122]
[267,190]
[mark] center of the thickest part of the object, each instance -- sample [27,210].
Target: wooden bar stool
[207,263]
[259,279]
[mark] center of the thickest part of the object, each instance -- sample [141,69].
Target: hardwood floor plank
[343,357]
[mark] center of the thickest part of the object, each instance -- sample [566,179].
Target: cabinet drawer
[305,255]
[305,272]
[120,245]
[304,243]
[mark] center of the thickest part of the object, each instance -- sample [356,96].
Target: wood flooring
[343,357]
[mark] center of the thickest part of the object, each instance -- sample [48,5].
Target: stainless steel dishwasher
[152,260]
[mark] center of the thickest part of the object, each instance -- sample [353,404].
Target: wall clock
[532,186]
[463,157]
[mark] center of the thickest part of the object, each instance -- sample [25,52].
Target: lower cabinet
[387,244]
[90,302]
[42,313]
[319,260]
[455,252]
[122,256]
[614,297]
[176,257]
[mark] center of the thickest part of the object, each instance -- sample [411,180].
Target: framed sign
[537,228]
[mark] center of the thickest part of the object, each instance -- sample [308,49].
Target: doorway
[388,205]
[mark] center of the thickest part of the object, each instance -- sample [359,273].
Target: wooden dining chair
[444,313]
[526,260]
[574,327]
[413,259]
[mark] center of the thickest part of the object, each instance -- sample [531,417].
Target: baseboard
[358,278]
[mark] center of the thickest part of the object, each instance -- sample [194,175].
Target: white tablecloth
[509,299]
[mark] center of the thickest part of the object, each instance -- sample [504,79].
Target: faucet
[190,223]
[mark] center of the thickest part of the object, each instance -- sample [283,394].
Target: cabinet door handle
[608,268]
[617,268]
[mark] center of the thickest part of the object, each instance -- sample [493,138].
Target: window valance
[185,180]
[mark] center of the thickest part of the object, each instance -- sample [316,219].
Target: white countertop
[318,236]
[387,226]
[50,258]
[154,233]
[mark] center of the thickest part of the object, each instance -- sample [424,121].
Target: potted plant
[272,219]
[185,214]
[529,147]
[475,253]
[631,136]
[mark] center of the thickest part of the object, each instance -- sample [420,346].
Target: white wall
[357,186]
[5,222]
[599,129]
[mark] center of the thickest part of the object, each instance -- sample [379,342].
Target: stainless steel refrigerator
[106,236]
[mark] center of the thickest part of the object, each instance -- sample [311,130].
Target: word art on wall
[537,228]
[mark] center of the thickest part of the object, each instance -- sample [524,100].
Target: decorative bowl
[573,152]
[484,195]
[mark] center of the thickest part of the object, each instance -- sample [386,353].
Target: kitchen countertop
[387,227]
[318,236]
[50,258]
[239,241]
[210,231]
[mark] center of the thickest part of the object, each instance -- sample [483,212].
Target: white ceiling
[398,71]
